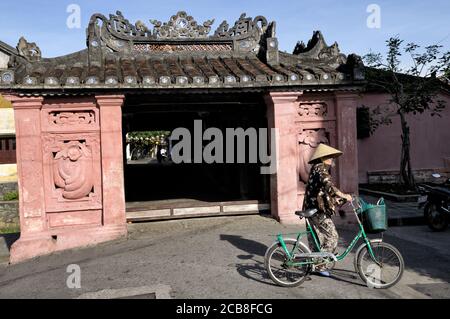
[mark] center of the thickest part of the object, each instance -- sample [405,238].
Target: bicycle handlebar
[355,198]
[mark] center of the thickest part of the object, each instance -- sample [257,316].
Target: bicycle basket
[374,217]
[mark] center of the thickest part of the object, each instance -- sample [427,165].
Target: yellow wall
[8,173]
[4,103]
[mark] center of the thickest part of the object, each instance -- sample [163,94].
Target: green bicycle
[289,261]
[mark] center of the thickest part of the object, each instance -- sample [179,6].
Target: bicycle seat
[306,213]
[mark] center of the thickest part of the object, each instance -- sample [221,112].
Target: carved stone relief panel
[315,111]
[70,119]
[72,171]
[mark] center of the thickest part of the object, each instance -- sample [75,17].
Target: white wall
[4,59]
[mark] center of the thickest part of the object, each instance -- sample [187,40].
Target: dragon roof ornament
[30,51]
[119,35]
[317,49]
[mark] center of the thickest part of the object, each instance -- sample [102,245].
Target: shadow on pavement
[250,246]
[347,276]
[255,271]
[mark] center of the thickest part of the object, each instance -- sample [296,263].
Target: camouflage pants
[326,232]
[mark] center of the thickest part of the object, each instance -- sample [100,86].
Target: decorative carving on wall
[308,141]
[30,51]
[72,118]
[72,170]
[59,118]
[313,109]
[183,47]
[181,25]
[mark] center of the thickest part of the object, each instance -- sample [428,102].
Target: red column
[281,114]
[347,166]
[112,159]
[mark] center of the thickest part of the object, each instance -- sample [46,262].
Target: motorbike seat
[306,213]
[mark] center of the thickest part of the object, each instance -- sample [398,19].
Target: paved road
[219,258]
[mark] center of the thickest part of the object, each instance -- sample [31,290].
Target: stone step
[214,209]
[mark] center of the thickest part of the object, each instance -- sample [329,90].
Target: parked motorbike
[435,199]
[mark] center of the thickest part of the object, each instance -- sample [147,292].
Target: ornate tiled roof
[181,54]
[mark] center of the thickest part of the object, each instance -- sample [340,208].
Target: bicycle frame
[310,230]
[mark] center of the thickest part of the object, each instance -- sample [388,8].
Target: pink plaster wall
[430,138]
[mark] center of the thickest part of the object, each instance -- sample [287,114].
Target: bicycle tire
[386,249]
[269,262]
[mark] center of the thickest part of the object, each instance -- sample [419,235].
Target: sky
[422,22]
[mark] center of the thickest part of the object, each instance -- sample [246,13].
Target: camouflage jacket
[320,191]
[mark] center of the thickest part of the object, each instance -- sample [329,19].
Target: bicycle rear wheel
[386,271]
[279,272]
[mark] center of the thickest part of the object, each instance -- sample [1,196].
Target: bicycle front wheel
[282,274]
[385,271]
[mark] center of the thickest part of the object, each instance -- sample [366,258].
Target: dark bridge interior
[150,181]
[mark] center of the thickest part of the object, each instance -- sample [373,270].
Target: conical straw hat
[324,150]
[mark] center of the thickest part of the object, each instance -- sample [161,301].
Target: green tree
[413,89]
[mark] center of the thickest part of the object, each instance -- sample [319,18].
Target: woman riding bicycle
[323,195]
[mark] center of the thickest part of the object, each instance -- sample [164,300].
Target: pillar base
[28,247]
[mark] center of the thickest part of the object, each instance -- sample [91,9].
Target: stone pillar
[347,165]
[281,114]
[112,158]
